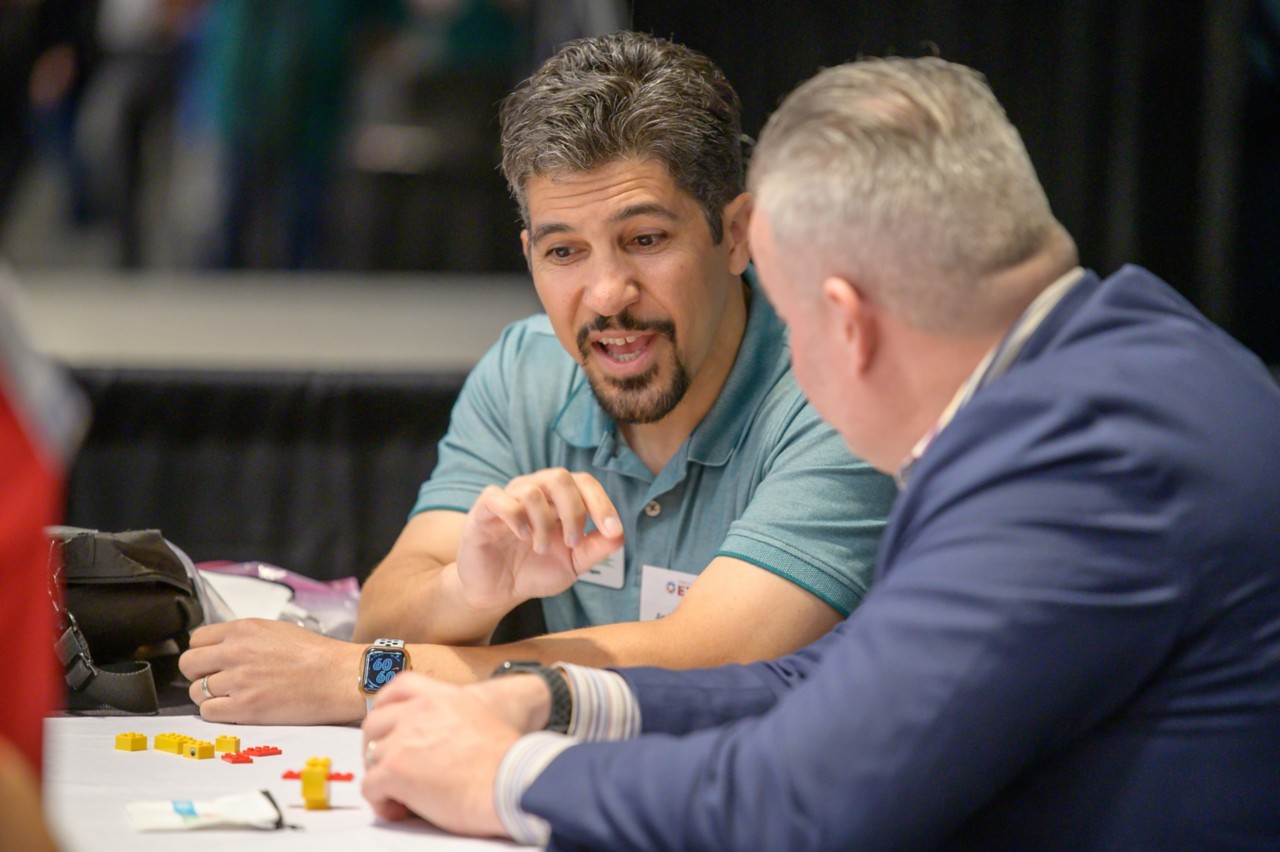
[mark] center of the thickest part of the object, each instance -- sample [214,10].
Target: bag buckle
[73,654]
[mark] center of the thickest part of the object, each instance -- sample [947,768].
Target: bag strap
[128,687]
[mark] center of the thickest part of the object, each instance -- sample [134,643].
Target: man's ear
[736,219]
[852,320]
[524,248]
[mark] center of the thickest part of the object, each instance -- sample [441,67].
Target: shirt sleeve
[989,645]
[816,515]
[603,710]
[520,767]
[479,448]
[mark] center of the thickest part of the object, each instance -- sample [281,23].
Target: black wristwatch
[561,698]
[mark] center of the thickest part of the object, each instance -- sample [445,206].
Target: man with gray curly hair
[641,445]
[1073,641]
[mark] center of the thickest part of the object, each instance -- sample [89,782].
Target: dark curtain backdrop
[312,472]
[1134,113]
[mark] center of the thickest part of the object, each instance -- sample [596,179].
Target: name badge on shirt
[661,591]
[607,572]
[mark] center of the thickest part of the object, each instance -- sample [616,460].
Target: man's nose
[614,287]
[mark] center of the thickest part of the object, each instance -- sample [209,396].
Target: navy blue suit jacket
[1073,641]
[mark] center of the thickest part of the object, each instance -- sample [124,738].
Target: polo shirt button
[653,508]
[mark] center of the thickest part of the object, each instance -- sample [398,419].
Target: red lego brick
[295,775]
[261,751]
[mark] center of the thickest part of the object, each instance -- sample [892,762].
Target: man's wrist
[479,604]
[525,702]
[552,710]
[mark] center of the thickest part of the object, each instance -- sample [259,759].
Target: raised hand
[529,539]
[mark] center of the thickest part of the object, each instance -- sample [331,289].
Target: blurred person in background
[46,55]
[422,144]
[130,97]
[276,77]
[554,22]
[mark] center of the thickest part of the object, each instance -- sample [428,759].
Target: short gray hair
[906,176]
[627,96]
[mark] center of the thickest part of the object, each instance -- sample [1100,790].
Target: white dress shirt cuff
[604,709]
[521,766]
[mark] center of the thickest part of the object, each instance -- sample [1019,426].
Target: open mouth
[624,349]
[622,357]
[621,345]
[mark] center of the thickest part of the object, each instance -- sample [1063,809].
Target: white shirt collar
[994,364]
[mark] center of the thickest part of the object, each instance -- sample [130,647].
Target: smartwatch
[561,698]
[382,661]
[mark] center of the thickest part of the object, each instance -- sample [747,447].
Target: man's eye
[647,240]
[560,252]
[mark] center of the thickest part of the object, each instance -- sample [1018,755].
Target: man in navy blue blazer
[1074,636]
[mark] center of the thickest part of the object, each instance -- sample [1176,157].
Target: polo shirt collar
[762,356]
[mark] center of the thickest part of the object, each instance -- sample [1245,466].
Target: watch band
[561,698]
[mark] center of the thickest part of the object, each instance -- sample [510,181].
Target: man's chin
[632,407]
[628,404]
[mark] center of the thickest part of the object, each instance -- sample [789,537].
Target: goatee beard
[625,400]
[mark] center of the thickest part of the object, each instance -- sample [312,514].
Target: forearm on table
[664,643]
[421,601]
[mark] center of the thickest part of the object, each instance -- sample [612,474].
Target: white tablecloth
[87,783]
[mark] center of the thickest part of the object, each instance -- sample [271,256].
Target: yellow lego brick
[172,743]
[131,741]
[226,742]
[169,742]
[198,749]
[315,784]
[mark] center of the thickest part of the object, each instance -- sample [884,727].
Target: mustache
[625,322]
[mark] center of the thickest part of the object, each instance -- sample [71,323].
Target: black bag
[123,592]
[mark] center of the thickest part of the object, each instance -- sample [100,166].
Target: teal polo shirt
[761,479]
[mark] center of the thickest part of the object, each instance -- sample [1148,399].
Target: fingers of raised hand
[598,506]
[591,550]
[542,514]
[504,507]
[571,498]
[538,508]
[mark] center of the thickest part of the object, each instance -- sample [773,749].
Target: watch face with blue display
[380,666]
